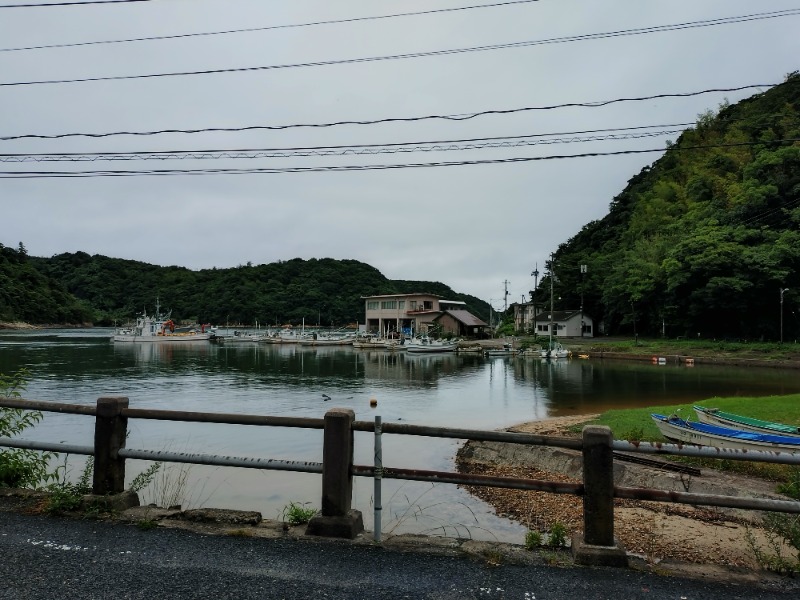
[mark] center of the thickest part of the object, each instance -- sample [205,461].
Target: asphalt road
[61,558]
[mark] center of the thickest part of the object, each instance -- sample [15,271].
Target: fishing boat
[428,345]
[714,416]
[506,350]
[324,339]
[160,328]
[702,434]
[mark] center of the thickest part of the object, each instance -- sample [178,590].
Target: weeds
[558,535]
[533,539]
[778,528]
[65,496]
[21,468]
[297,514]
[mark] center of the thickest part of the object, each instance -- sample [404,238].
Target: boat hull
[702,434]
[160,339]
[723,419]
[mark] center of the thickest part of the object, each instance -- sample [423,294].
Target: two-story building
[411,314]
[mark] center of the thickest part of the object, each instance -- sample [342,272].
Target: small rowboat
[714,416]
[703,434]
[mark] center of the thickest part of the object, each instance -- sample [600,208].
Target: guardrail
[336,518]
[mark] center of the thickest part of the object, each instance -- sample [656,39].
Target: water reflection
[462,391]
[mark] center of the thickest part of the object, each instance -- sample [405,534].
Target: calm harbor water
[462,391]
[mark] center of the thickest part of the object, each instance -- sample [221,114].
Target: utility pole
[782,290]
[505,296]
[535,275]
[583,273]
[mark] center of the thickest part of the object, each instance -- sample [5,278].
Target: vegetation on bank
[732,349]
[704,239]
[636,424]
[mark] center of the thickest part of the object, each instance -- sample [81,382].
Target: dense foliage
[324,291]
[30,296]
[701,242]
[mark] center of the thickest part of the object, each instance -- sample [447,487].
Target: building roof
[465,317]
[400,295]
[558,315]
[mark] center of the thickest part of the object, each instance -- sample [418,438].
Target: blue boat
[703,434]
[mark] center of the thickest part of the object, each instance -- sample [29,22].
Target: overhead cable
[344,168]
[267,28]
[70,3]
[353,150]
[451,117]
[426,54]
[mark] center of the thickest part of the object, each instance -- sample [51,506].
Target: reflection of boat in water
[160,328]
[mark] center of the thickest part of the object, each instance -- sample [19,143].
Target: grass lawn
[636,424]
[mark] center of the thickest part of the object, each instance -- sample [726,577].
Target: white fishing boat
[160,328]
[702,434]
[429,345]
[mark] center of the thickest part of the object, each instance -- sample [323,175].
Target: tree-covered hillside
[702,241]
[324,291]
[29,296]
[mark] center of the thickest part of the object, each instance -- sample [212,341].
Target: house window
[401,304]
[372,305]
[413,304]
[428,305]
[388,304]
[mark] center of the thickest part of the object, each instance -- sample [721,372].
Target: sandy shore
[657,533]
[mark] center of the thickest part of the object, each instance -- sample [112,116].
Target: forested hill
[79,288]
[702,241]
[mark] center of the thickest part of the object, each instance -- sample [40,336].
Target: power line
[344,168]
[267,28]
[354,150]
[70,3]
[451,117]
[432,53]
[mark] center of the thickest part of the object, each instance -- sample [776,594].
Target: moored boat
[714,416]
[428,345]
[506,350]
[703,434]
[159,328]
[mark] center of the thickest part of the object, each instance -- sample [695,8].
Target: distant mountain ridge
[103,290]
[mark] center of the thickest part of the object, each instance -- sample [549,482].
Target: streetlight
[782,290]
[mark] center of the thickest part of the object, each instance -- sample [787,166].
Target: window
[372,305]
[401,304]
[388,304]
[413,304]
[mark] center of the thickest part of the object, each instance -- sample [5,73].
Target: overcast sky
[471,226]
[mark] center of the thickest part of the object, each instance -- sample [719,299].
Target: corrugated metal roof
[465,317]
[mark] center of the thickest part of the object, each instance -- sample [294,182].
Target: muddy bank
[656,533]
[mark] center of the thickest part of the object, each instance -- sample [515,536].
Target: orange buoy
[373,402]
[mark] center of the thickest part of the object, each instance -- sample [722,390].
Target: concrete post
[110,430]
[597,546]
[337,519]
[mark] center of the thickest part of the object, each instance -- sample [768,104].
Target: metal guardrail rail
[337,469]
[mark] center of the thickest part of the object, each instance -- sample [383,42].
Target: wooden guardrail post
[597,545]
[110,430]
[337,518]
